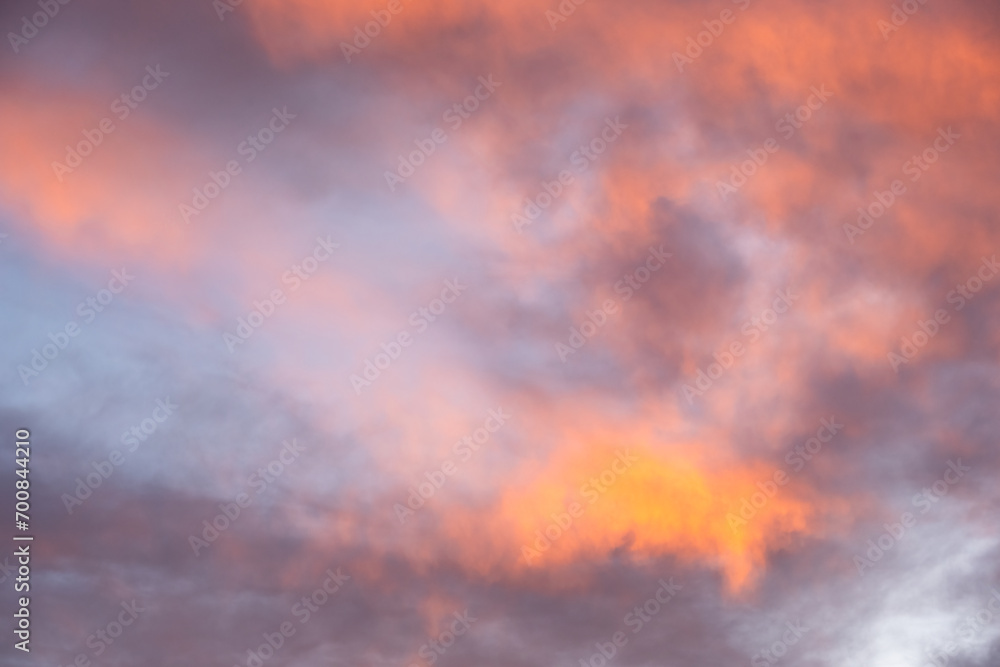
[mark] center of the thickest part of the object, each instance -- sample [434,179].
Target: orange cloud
[605,500]
[115,203]
[658,505]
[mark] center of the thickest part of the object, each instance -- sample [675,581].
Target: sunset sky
[523,333]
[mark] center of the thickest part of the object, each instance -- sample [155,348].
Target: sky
[513,334]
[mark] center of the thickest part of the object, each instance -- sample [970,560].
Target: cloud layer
[496,329]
